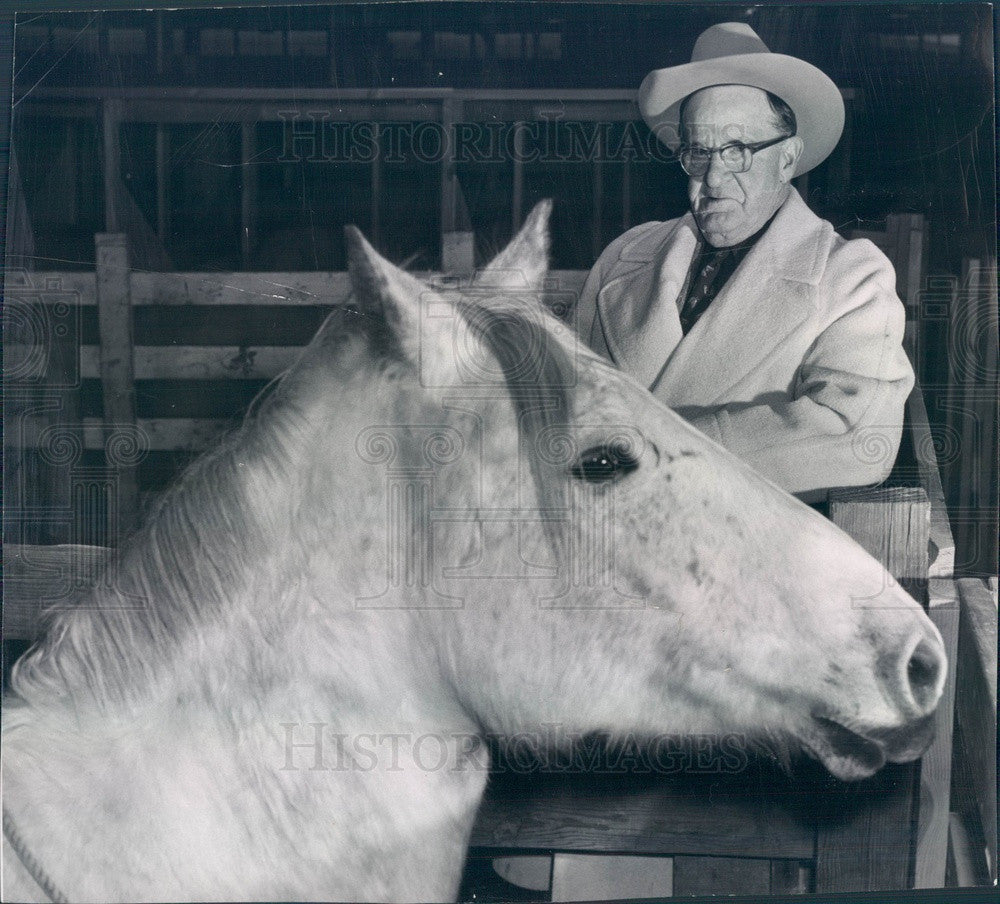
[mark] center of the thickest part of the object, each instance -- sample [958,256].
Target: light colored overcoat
[797,366]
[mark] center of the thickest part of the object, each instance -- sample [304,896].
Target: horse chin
[848,755]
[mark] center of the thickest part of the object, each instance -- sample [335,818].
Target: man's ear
[791,150]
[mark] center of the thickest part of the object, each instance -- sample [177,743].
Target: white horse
[447,521]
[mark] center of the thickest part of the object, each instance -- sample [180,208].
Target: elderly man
[749,315]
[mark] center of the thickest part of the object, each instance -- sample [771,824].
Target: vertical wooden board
[935,766]
[721,876]
[114,308]
[868,844]
[893,524]
[976,705]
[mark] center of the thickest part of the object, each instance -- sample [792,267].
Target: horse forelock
[538,372]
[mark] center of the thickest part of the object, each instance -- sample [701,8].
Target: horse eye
[603,463]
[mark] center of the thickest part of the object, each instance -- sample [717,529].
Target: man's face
[730,207]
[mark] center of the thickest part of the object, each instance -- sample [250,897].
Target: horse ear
[388,298]
[525,261]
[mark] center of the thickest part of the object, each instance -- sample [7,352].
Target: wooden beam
[110,123]
[869,847]
[977,703]
[248,190]
[162,208]
[597,213]
[178,434]
[114,313]
[935,765]
[517,190]
[376,179]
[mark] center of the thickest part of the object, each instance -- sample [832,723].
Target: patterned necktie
[701,294]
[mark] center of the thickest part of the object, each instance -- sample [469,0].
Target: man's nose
[717,172]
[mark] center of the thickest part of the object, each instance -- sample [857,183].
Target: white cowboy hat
[732,54]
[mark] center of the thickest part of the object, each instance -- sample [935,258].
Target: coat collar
[796,243]
[637,304]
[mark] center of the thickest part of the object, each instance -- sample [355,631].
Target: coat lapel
[765,301]
[637,305]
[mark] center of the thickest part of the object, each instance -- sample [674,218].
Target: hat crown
[727,39]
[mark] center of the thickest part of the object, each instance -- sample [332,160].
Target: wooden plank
[935,765]
[117,380]
[248,191]
[942,550]
[976,705]
[110,123]
[190,362]
[870,849]
[162,181]
[517,188]
[721,876]
[158,434]
[208,289]
[657,815]
[41,283]
[240,288]
[891,523]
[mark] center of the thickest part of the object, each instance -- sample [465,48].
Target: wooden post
[626,194]
[162,153]
[598,210]
[517,192]
[935,766]
[114,314]
[248,190]
[110,122]
[869,847]
[376,186]
[457,247]
[977,704]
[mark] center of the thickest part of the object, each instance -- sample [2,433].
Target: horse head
[448,519]
[575,553]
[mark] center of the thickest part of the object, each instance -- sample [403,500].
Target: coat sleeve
[841,425]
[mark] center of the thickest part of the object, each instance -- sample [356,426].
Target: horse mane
[184,565]
[181,567]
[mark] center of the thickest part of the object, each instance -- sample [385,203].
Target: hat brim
[812,95]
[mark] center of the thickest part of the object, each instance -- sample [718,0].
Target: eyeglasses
[737,157]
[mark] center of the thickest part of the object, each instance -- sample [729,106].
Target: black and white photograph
[499,452]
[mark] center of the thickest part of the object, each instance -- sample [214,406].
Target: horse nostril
[923,672]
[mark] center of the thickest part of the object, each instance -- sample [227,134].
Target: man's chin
[717,228]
